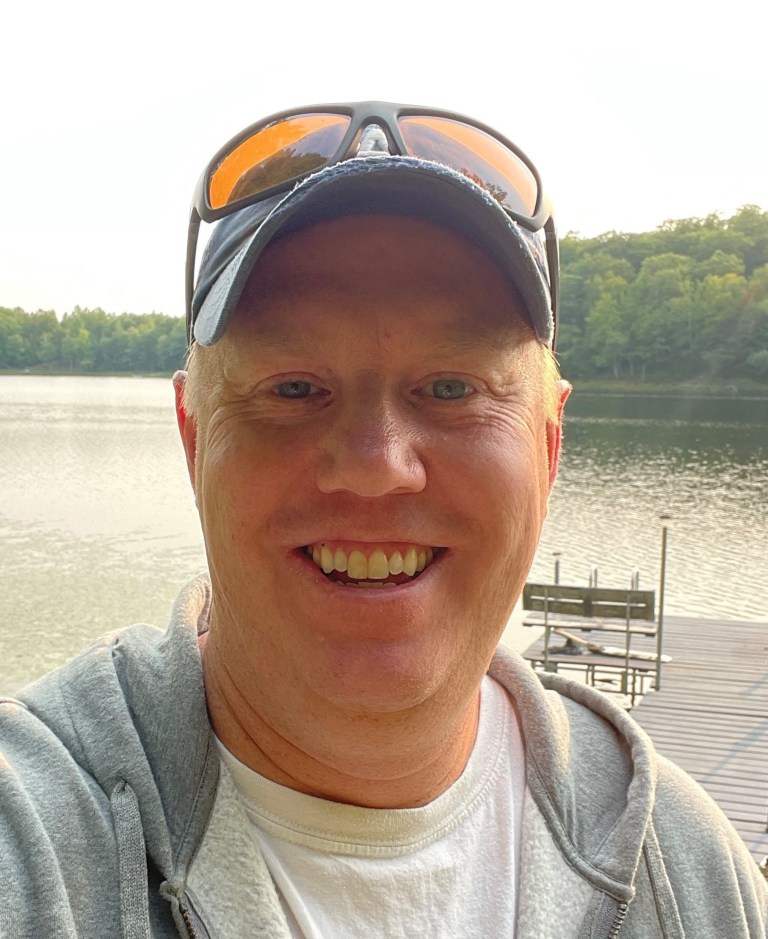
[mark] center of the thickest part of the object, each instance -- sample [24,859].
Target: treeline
[91,341]
[684,302]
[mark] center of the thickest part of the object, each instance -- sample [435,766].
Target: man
[326,742]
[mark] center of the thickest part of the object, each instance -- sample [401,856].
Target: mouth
[372,565]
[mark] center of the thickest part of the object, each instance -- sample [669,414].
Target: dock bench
[594,612]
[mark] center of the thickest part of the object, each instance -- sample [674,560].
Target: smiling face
[372,463]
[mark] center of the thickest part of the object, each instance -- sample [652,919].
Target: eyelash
[312,390]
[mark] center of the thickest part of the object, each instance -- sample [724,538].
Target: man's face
[382,407]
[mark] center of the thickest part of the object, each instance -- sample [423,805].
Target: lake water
[98,527]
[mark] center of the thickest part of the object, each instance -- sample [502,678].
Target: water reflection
[629,459]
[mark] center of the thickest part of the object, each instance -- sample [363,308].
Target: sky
[633,113]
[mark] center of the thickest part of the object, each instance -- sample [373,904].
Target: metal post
[634,579]
[664,518]
[556,555]
[593,576]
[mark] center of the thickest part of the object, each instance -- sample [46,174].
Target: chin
[387,679]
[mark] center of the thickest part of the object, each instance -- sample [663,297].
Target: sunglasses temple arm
[553,257]
[192,233]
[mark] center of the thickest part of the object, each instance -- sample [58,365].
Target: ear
[555,431]
[187,427]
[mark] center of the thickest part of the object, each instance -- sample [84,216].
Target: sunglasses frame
[361,115]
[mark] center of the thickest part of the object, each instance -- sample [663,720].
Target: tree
[749,227]
[43,337]
[77,348]
[661,299]
[14,349]
[608,330]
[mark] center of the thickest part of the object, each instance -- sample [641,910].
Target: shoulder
[129,712]
[688,822]
[56,832]
[718,888]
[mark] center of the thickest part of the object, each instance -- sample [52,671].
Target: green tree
[749,228]
[719,302]
[77,345]
[719,263]
[661,299]
[608,328]
[14,349]
[42,334]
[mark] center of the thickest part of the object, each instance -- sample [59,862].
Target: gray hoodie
[109,773]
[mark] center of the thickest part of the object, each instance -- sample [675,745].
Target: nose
[371,450]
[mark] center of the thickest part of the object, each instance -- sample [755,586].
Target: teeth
[396,563]
[340,560]
[368,583]
[370,571]
[326,559]
[357,566]
[378,566]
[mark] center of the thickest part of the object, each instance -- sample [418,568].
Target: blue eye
[294,389]
[449,389]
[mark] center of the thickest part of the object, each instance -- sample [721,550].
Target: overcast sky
[634,113]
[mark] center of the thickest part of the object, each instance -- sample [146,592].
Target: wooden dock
[711,716]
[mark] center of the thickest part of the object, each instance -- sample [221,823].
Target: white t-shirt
[447,869]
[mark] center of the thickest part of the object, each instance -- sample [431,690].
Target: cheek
[505,459]
[497,481]
[234,485]
[253,485]
[506,481]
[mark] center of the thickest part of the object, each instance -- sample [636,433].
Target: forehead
[374,271]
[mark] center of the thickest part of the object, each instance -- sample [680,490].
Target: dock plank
[710,716]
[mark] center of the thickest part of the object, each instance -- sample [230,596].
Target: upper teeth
[377,566]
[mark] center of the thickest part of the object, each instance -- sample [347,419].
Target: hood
[591,770]
[131,711]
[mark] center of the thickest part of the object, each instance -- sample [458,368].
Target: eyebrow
[481,341]
[451,348]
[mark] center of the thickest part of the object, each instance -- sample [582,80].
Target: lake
[98,525]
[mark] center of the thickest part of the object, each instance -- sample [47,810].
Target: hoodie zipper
[192,922]
[621,914]
[191,931]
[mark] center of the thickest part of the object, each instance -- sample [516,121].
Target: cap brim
[373,185]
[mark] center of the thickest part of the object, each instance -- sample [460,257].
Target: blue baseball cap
[372,184]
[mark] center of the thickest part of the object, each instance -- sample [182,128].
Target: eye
[449,389]
[295,389]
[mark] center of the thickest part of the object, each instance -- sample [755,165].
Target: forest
[685,303]
[688,301]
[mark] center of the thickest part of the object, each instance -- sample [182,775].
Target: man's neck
[373,760]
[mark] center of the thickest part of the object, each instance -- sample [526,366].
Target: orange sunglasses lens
[477,155]
[295,146]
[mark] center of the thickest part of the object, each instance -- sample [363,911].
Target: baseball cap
[375,182]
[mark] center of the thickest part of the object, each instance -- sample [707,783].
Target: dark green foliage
[687,301]
[91,341]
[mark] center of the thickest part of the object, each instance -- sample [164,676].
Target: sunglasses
[273,155]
